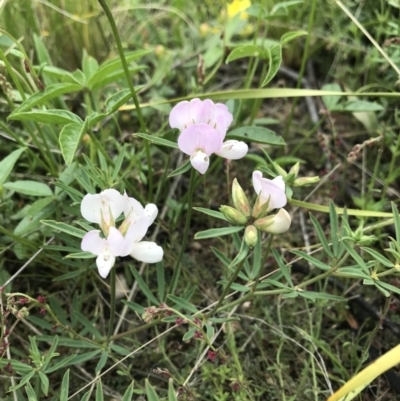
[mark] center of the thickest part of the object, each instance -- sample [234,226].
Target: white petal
[148,252]
[200,161]
[104,203]
[132,208]
[272,190]
[116,243]
[151,212]
[233,150]
[137,230]
[92,242]
[105,262]
[278,181]
[257,176]
[280,223]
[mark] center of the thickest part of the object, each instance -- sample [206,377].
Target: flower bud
[302,181]
[159,51]
[233,216]
[275,223]
[251,236]
[240,200]
[280,170]
[260,208]
[294,170]
[204,29]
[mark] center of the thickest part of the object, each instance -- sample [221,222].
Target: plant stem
[230,282]
[114,29]
[112,303]
[263,261]
[303,64]
[177,267]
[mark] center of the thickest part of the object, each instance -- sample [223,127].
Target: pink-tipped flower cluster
[203,125]
[109,243]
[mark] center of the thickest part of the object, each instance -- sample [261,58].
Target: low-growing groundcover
[199,201]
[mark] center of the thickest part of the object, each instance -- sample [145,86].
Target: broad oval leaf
[7,164]
[245,51]
[256,134]
[70,136]
[49,93]
[275,61]
[27,187]
[53,116]
[217,232]
[289,36]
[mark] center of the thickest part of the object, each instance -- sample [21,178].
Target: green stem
[113,284]
[263,261]
[177,268]
[303,64]
[114,29]
[228,285]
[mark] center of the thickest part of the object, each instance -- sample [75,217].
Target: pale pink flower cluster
[203,125]
[109,242]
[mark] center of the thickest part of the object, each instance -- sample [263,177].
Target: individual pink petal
[233,150]
[205,112]
[148,252]
[151,212]
[278,181]
[223,119]
[280,223]
[179,116]
[92,242]
[116,243]
[269,189]
[109,203]
[200,161]
[199,137]
[135,233]
[105,262]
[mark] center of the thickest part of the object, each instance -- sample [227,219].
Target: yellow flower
[238,6]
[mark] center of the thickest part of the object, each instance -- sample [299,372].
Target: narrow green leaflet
[53,116]
[275,61]
[319,295]
[38,205]
[99,391]
[396,217]
[143,286]
[128,396]
[114,102]
[217,232]
[23,381]
[321,236]
[89,326]
[183,303]
[70,137]
[27,187]
[289,36]
[157,140]
[351,272]
[150,392]
[171,391]
[334,228]
[180,170]
[160,280]
[20,367]
[7,164]
[212,213]
[189,334]
[89,66]
[388,286]
[378,256]
[30,392]
[282,266]
[244,51]
[256,134]
[44,382]
[312,260]
[355,256]
[49,93]
[66,228]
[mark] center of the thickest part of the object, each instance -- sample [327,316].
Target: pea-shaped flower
[203,125]
[110,242]
[271,195]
